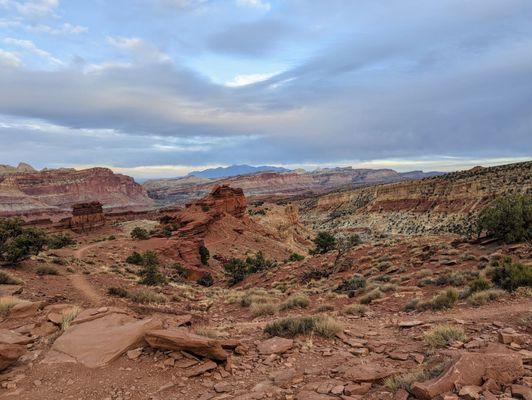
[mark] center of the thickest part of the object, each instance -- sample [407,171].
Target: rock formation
[55,191]
[87,216]
[436,204]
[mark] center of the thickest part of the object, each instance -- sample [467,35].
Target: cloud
[250,39]
[259,4]
[35,8]
[30,47]
[140,49]
[248,79]
[64,29]
[8,59]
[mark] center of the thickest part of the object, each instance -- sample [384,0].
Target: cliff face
[273,184]
[431,205]
[57,190]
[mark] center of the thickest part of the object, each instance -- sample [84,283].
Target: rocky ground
[65,333]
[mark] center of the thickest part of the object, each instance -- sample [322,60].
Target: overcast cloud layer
[161,87]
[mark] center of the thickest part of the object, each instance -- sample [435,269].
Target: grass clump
[143,296]
[7,303]
[297,301]
[117,292]
[369,297]
[325,308]
[404,381]
[295,257]
[135,258]
[353,284]
[6,279]
[442,301]
[60,241]
[47,270]
[444,335]
[206,280]
[68,317]
[478,285]
[139,233]
[261,309]
[484,296]
[356,309]
[321,325]
[510,276]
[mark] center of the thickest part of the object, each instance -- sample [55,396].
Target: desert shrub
[508,218]
[444,300]
[444,335]
[480,298]
[143,296]
[17,242]
[404,381]
[411,305]
[140,233]
[7,279]
[289,327]
[47,270]
[369,297]
[479,285]
[355,309]
[260,309]
[150,270]
[297,301]
[353,284]
[60,241]
[180,270]
[314,274]
[324,242]
[117,292]
[509,276]
[135,258]
[236,270]
[204,255]
[167,231]
[325,308]
[295,257]
[206,280]
[389,287]
[256,297]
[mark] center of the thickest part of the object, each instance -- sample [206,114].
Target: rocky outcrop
[87,216]
[9,354]
[55,191]
[274,184]
[432,205]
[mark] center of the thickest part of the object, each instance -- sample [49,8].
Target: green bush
[321,325]
[6,279]
[441,301]
[479,285]
[117,292]
[236,270]
[140,233]
[17,242]
[510,276]
[444,335]
[295,257]
[135,258]
[508,218]
[324,242]
[206,280]
[60,241]
[167,231]
[352,285]
[181,271]
[47,270]
[204,255]
[150,271]
[482,297]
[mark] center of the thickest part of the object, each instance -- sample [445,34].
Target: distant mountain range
[234,170]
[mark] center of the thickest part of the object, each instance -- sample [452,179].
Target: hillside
[269,185]
[431,205]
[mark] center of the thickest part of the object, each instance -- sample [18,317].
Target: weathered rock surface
[472,369]
[97,342]
[9,354]
[275,345]
[182,339]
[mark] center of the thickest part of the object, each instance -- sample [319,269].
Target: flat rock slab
[10,337]
[182,339]
[367,373]
[9,354]
[99,341]
[201,368]
[409,324]
[472,369]
[275,345]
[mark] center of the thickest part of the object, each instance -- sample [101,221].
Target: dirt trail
[78,253]
[81,284]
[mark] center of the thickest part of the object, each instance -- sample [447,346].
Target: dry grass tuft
[444,335]
[321,325]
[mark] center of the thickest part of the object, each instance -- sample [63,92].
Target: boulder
[9,354]
[521,392]
[201,368]
[25,309]
[181,339]
[97,342]
[275,345]
[472,369]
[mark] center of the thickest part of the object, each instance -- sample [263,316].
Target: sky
[157,88]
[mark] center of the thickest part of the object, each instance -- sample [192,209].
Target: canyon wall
[49,192]
[438,204]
